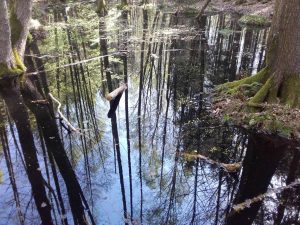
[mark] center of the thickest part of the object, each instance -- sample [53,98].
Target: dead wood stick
[61,115]
[230,168]
[112,95]
[247,203]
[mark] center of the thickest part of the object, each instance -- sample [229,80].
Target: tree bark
[13,35]
[10,91]
[55,146]
[20,16]
[283,56]
[5,36]
[283,42]
[281,76]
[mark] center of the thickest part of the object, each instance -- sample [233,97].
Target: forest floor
[267,118]
[251,7]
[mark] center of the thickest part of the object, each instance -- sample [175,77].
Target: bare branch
[112,95]
[61,115]
[247,203]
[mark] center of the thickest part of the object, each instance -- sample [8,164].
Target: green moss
[227,118]
[268,123]
[18,61]
[18,69]
[263,111]
[29,38]
[274,126]
[4,70]
[260,77]
[254,20]
[261,95]
[250,90]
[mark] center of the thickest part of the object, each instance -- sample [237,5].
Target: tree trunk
[281,76]
[9,89]
[101,8]
[55,146]
[283,54]
[13,36]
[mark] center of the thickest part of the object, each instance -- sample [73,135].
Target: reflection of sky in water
[228,49]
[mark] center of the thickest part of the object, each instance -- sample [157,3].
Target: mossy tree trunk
[280,78]
[283,55]
[13,35]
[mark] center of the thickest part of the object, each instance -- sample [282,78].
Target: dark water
[172,63]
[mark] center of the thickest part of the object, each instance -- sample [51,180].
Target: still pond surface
[177,163]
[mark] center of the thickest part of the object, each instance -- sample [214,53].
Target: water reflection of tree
[186,83]
[260,163]
[106,69]
[173,89]
[9,164]
[34,90]
[233,50]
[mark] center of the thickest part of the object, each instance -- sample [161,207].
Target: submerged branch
[72,128]
[247,203]
[230,168]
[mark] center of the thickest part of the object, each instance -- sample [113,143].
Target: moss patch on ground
[254,20]
[267,118]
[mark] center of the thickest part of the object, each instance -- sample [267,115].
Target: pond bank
[251,7]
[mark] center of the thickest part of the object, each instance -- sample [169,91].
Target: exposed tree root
[262,102]
[287,92]
[260,77]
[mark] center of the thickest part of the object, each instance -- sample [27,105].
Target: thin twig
[74,63]
[72,128]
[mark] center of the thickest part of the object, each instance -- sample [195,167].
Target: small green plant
[254,20]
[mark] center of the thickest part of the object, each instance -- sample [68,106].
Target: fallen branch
[230,168]
[112,95]
[247,203]
[61,116]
